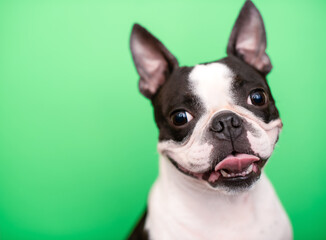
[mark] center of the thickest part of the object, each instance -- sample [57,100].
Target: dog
[218,126]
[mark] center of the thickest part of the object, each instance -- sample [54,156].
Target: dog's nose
[226,125]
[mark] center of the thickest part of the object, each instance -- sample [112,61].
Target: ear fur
[248,39]
[154,63]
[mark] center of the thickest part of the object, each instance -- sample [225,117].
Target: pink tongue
[238,163]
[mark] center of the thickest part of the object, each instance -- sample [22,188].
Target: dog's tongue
[236,163]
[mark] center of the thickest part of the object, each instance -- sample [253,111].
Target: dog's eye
[180,118]
[257,97]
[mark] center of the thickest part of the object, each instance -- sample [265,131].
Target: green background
[78,141]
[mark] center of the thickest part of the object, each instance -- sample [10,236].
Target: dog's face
[218,122]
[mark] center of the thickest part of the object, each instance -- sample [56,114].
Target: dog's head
[217,121]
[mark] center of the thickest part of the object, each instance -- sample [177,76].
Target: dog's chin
[227,182]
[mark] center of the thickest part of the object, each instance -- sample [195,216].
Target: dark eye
[180,118]
[257,97]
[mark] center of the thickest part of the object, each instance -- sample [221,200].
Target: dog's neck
[181,207]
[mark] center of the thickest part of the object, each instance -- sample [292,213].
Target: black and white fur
[190,198]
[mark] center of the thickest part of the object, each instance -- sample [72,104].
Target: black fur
[247,79]
[139,232]
[174,95]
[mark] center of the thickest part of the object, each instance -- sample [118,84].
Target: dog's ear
[153,61]
[248,39]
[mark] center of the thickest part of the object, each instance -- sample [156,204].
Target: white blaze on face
[212,84]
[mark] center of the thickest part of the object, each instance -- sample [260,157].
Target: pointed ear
[248,39]
[153,61]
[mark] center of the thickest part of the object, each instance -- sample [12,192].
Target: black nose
[226,125]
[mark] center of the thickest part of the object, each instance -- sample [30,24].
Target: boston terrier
[218,126]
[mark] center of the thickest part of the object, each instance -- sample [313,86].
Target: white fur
[212,83]
[264,143]
[193,154]
[181,207]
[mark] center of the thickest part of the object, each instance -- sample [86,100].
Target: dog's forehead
[212,83]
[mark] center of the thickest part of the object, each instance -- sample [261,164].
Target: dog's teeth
[224,174]
[244,173]
[250,168]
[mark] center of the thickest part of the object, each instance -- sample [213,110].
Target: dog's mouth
[239,170]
